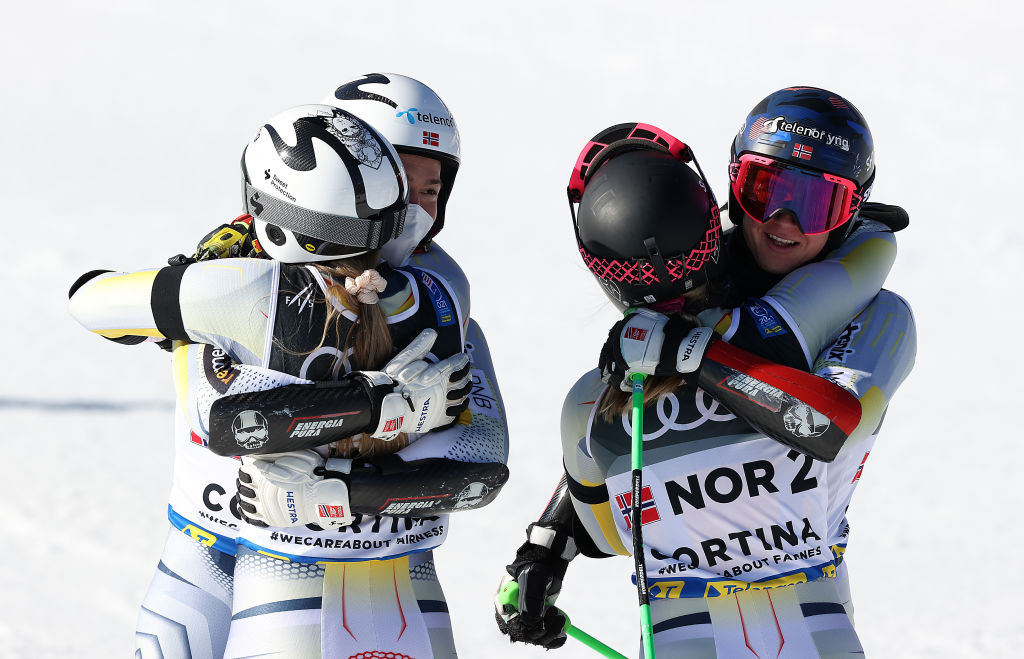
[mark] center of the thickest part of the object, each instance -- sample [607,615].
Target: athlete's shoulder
[893,317]
[581,399]
[869,240]
[441,289]
[438,261]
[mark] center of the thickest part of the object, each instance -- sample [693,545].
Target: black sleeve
[560,513]
[290,418]
[392,486]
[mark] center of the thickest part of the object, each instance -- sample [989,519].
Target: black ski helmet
[648,225]
[812,129]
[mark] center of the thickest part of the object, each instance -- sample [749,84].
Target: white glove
[653,344]
[293,489]
[425,395]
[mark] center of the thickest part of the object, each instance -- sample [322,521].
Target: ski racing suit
[188,607]
[729,515]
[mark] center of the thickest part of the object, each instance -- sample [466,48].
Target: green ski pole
[509,595]
[636,509]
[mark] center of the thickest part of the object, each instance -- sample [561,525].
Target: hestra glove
[294,489]
[651,343]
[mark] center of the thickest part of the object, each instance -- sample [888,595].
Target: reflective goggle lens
[819,202]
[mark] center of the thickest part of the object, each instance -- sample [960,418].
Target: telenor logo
[408,114]
[414,115]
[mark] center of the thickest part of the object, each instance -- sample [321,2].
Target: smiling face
[778,245]
[424,181]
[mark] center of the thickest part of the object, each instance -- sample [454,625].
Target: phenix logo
[314,428]
[841,349]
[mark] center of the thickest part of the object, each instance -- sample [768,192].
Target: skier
[297,318]
[730,511]
[400,107]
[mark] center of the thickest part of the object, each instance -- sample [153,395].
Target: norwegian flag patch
[636,333]
[803,152]
[331,511]
[648,508]
[431,139]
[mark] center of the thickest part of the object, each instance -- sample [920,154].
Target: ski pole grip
[509,596]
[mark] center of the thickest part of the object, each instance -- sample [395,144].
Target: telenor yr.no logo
[408,114]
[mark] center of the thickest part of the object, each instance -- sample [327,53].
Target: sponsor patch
[805,421]
[768,324]
[783,128]
[217,366]
[314,428]
[250,429]
[331,511]
[471,495]
[442,303]
[756,391]
[841,349]
[406,507]
[636,333]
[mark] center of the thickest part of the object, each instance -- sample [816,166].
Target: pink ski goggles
[819,202]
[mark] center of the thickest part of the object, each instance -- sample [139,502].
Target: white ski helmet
[322,184]
[413,118]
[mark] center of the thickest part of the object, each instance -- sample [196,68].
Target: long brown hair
[614,402]
[369,338]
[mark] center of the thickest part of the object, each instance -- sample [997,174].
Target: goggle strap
[368,233]
[656,259]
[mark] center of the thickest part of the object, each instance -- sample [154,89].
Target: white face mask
[417,224]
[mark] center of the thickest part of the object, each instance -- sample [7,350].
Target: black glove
[538,569]
[890,215]
[648,342]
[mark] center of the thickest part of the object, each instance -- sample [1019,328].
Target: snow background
[123,124]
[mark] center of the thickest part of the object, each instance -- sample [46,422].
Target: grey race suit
[188,607]
[729,515]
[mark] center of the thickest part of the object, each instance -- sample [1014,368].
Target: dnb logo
[805,421]
[250,429]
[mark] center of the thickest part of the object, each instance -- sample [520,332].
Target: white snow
[122,126]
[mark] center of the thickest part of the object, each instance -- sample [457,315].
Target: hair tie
[366,286]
